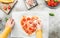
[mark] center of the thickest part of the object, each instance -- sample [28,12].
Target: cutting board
[7,7]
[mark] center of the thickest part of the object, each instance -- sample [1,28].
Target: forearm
[39,33]
[6,32]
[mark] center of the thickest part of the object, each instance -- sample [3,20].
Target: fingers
[13,23]
[11,20]
[10,23]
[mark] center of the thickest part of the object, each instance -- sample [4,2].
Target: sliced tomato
[30,22]
[5,7]
[9,7]
[25,26]
[34,24]
[24,19]
[22,23]
[30,28]
[28,18]
[27,31]
[33,30]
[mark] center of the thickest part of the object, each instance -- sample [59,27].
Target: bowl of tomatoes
[52,3]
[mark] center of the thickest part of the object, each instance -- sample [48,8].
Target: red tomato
[25,26]
[30,28]
[51,0]
[24,19]
[28,18]
[22,23]
[9,7]
[30,22]
[52,3]
[49,3]
[4,7]
[34,25]
[27,31]
[55,3]
[33,30]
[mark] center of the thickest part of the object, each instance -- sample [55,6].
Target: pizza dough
[29,24]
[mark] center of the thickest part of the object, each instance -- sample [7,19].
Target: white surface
[20,6]
[54,25]
[18,32]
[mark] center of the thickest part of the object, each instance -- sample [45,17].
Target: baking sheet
[18,32]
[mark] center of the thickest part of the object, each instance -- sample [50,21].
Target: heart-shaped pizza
[29,24]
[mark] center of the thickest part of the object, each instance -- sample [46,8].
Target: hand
[10,23]
[39,24]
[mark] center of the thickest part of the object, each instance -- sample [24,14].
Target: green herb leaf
[51,14]
[56,0]
[6,19]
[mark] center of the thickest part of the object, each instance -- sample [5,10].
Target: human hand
[38,23]
[10,23]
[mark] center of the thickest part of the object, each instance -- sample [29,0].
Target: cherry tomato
[55,4]
[51,0]
[5,8]
[49,3]
[9,7]
[52,3]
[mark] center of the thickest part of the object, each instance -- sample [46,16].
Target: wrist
[8,26]
[39,27]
